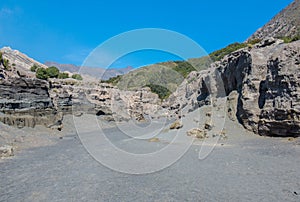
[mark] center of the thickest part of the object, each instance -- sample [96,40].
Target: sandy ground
[54,166]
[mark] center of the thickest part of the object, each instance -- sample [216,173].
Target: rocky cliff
[261,84]
[30,102]
[19,59]
[284,24]
[267,80]
[104,100]
[26,102]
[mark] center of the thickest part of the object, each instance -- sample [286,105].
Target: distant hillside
[99,73]
[162,78]
[167,74]
[284,24]
[17,64]
[16,58]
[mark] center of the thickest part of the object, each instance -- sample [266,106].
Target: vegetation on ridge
[287,39]
[161,91]
[77,77]
[63,75]
[41,73]
[219,54]
[113,80]
[34,67]
[52,72]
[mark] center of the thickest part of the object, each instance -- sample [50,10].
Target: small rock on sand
[208,125]
[176,125]
[6,151]
[197,132]
[155,139]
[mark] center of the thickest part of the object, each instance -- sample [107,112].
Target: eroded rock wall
[26,102]
[266,78]
[105,100]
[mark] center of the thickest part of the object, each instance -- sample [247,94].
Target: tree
[77,76]
[63,75]
[52,72]
[41,73]
[34,68]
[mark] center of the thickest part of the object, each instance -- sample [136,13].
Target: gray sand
[243,167]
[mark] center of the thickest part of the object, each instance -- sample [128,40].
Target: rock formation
[26,102]
[284,24]
[22,61]
[104,100]
[266,79]
[261,83]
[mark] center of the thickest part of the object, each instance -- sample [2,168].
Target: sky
[67,31]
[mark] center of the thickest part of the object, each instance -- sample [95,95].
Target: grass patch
[287,39]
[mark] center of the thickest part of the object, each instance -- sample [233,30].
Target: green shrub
[296,38]
[41,73]
[288,39]
[77,76]
[52,72]
[6,64]
[63,75]
[161,91]
[33,68]
[254,41]
[113,80]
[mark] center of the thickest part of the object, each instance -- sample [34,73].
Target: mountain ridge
[285,24]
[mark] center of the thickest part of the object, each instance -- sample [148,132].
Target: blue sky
[67,31]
